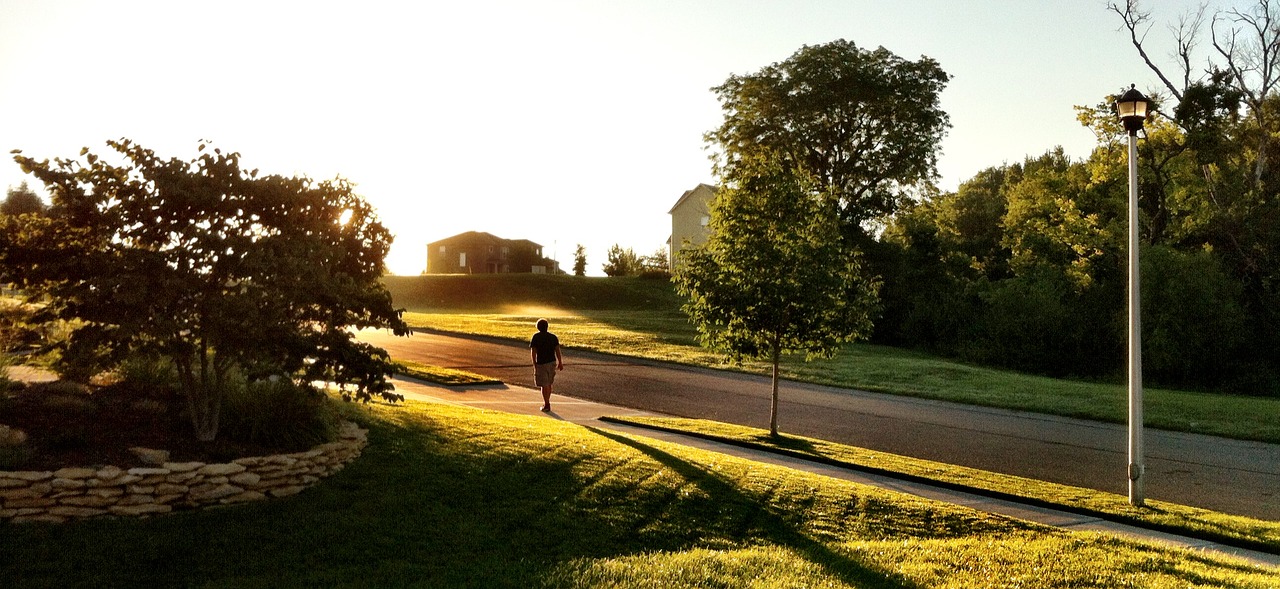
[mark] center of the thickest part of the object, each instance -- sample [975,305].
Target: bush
[278,413]
[153,374]
[655,274]
[1028,325]
[16,330]
[5,382]
[1194,328]
[14,457]
[14,450]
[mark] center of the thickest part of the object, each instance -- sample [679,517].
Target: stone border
[78,493]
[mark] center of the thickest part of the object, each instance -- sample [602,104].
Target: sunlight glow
[559,121]
[535,311]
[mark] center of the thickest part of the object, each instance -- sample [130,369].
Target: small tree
[580,261]
[656,263]
[20,201]
[216,268]
[622,262]
[773,276]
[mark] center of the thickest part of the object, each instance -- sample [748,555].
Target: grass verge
[441,375]
[668,337]
[1243,532]
[456,497]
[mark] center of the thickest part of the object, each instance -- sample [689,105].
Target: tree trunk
[206,408]
[773,407]
[202,388]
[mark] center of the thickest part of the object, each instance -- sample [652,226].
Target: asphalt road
[1223,475]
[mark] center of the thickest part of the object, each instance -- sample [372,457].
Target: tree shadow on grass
[785,442]
[777,530]
[440,500]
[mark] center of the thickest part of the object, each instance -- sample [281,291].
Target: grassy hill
[509,292]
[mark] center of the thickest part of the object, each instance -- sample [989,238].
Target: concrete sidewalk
[529,402]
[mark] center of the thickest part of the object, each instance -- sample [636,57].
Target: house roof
[689,193]
[469,237]
[479,236]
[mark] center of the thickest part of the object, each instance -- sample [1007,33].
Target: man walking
[544,347]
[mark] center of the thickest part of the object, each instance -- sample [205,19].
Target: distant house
[690,218]
[476,252]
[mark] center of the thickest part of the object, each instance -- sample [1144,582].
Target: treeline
[1024,265]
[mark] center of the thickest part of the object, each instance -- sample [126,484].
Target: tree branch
[1134,18]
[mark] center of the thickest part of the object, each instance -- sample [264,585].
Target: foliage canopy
[866,124]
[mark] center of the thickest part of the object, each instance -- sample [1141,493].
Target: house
[690,219]
[477,252]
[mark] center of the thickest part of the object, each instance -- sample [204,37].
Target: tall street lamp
[1131,107]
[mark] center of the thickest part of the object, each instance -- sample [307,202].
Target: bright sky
[561,121]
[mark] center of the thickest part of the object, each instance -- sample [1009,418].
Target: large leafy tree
[774,276]
[866,124]
[212,266]
[1230,113]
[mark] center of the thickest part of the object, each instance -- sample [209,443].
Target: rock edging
[78,493]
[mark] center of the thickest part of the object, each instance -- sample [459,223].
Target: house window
[462,259]
[442,249]
[706,220]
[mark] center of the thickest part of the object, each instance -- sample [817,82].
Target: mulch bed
[71,425]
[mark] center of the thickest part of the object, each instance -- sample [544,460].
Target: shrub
[278,413]
[14,457]
[16,330]
[1194,328]
[655,274]
[5,382]
[1027,325]
[153,374]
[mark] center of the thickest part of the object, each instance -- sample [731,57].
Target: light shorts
[544,374]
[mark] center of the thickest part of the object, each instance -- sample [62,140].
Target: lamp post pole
[1132,109]
[1136,453]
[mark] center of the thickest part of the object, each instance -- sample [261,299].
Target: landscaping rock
[183,466]
[212,492]
[221,469]
[12,436]
[79,493]
[74,473]
[149,456]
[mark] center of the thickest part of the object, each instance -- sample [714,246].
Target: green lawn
[440,375]
[1178,519]
[667,336]
[455,497]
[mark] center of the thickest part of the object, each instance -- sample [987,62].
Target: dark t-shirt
[545,343]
